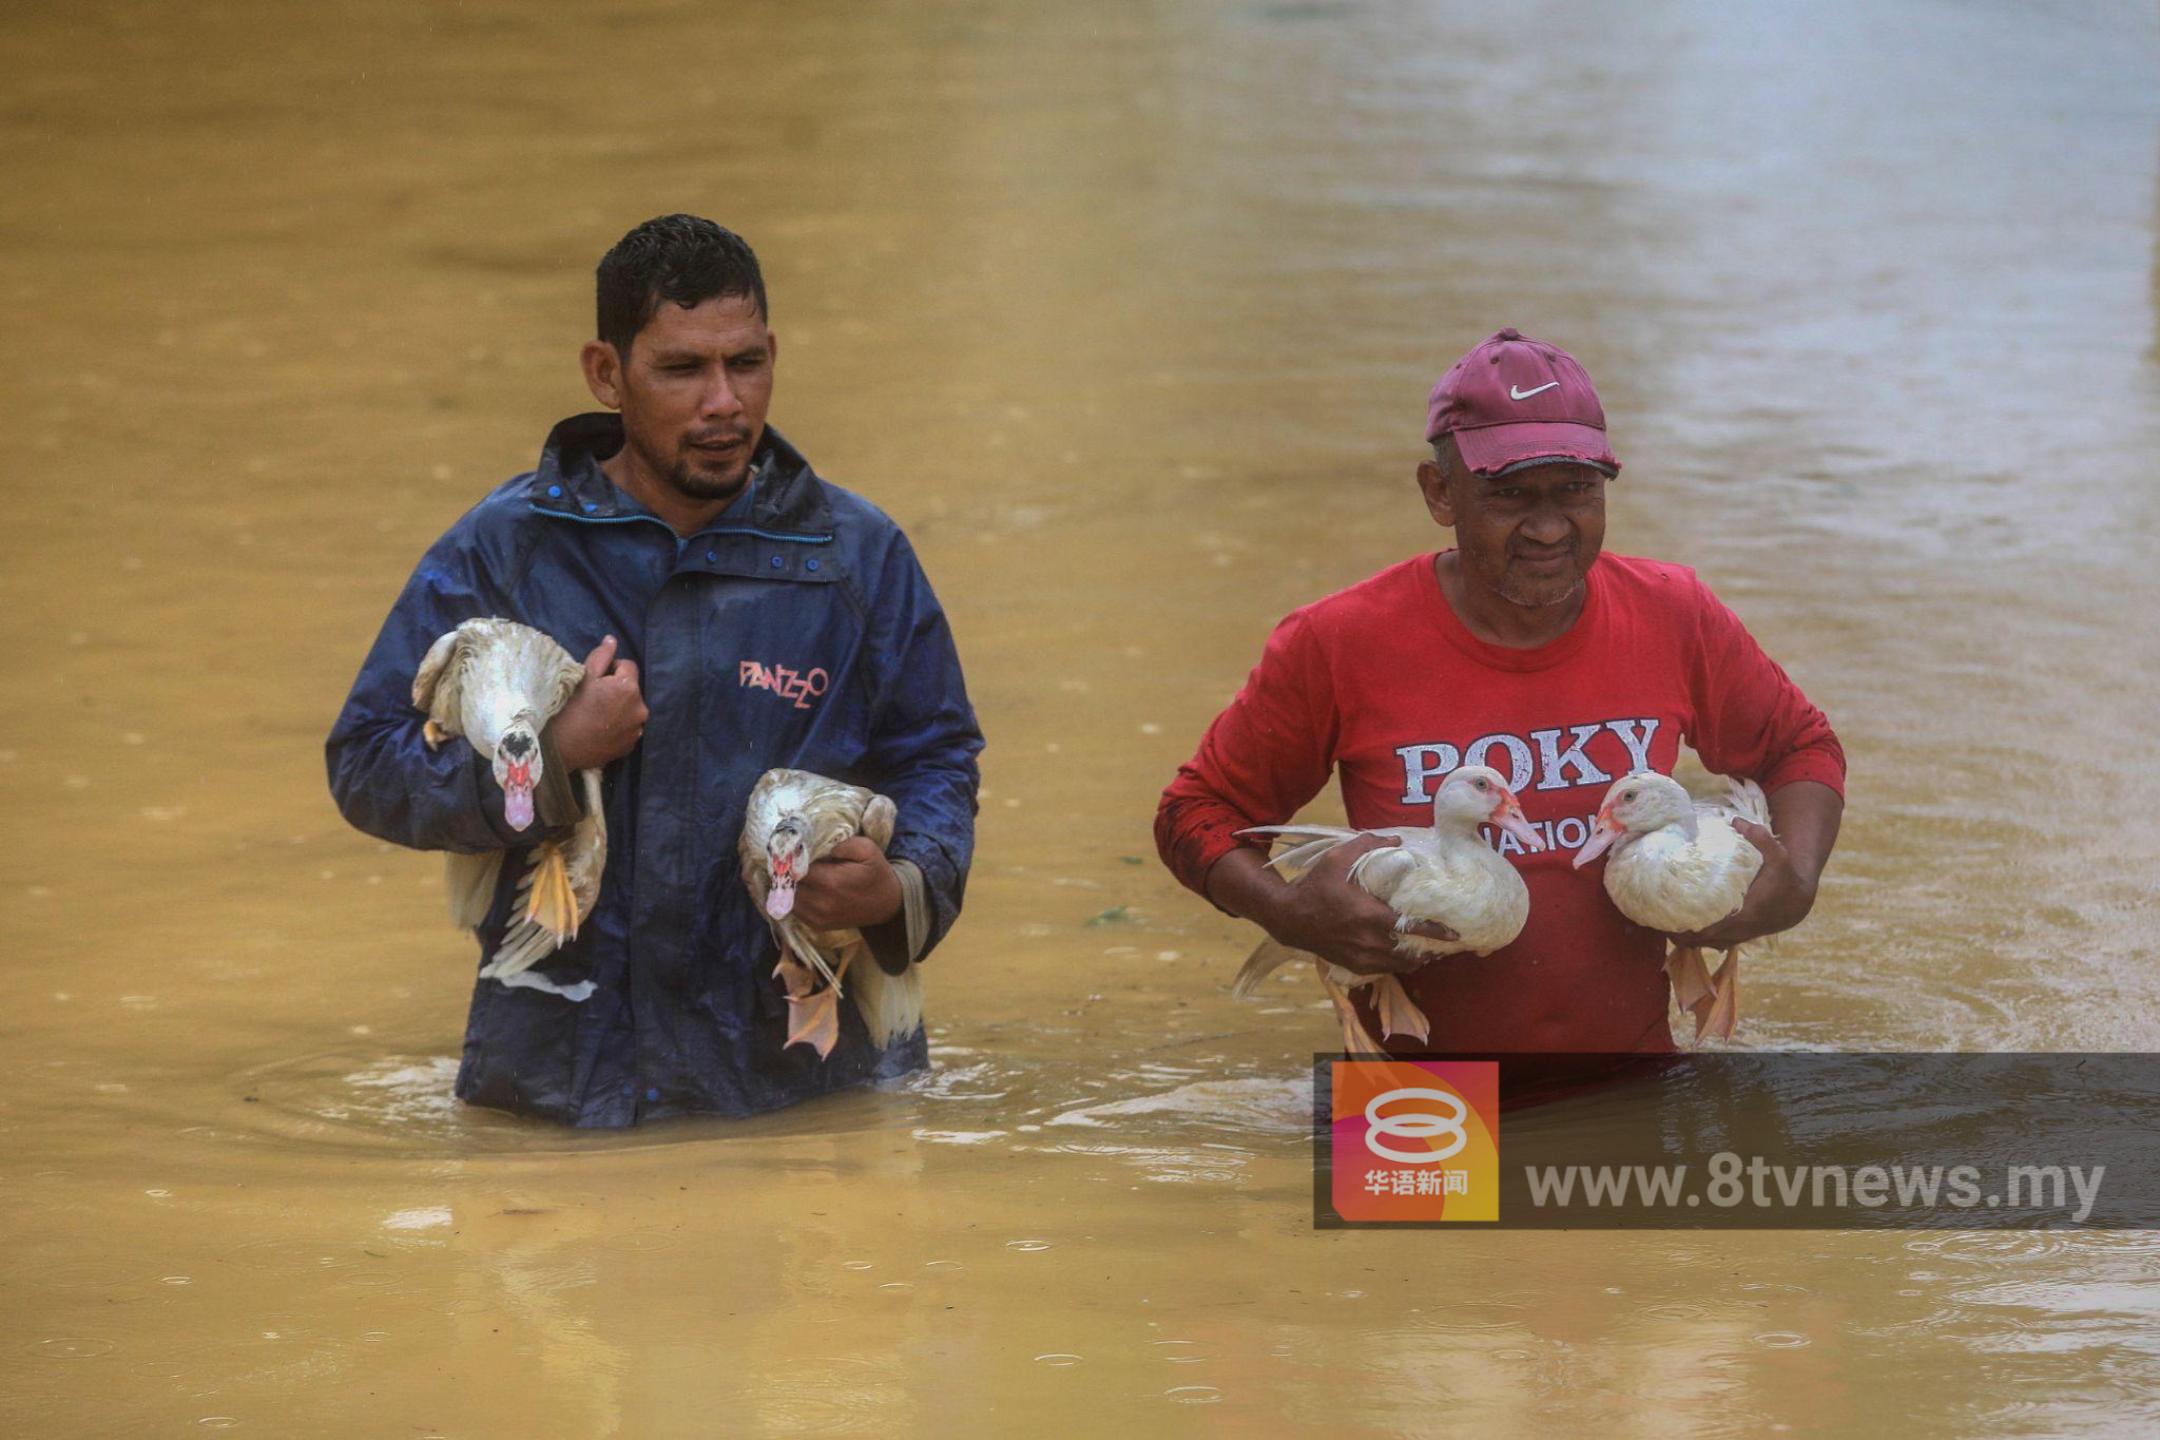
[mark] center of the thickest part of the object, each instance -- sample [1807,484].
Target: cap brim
[1491,449]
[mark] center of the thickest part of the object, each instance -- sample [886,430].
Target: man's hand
[604,717]
[1778,899]
[1333,917]
[852,887]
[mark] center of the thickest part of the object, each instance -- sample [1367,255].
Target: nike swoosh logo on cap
[1515,394]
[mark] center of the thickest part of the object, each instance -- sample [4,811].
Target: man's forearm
[1241,884]
[1805,817]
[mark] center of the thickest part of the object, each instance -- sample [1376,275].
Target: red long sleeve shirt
[1384,684]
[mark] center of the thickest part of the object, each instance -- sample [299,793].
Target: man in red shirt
[1526,649]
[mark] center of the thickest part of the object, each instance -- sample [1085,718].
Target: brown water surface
[1127,312]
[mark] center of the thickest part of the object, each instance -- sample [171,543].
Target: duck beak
[780,899]
[518,796]
[1508,819]
[1602,834]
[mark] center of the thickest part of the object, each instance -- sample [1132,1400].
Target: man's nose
[1548,526]
[720,399]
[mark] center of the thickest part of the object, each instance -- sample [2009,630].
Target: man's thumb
[603,655]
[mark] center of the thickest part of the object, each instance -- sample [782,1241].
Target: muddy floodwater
[1127,312]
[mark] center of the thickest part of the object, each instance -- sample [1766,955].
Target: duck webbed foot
[1399,1014]
[1690,977]
[1355,1039]
[814,1020]
[813,1007]
[1720,1011]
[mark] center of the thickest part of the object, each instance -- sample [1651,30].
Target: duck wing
[588,847]
[1307,843]
[553,674]
[1722,862]
[1267,957]
[471,881]
[1744,800]
[438,689]
[891,1005]
[838,811]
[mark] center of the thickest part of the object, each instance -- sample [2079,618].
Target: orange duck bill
[1507,817]
[1602,834]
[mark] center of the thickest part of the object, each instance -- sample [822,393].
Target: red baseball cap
[1513,402]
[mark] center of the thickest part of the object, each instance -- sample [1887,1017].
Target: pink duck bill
[780,899]
[518,796]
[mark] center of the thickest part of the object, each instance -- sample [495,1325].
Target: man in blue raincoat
[737,613]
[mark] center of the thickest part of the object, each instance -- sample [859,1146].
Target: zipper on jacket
[681,541]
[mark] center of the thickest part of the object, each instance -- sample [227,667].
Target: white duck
[496,683]
[794,819]
[1678,865]
[1445,873]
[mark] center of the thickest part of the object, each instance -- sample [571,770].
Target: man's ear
[603,372]
[1432,484]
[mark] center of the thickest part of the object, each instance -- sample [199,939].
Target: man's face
[693,392]
[1528,536]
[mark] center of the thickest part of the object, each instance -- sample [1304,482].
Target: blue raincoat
[797,629]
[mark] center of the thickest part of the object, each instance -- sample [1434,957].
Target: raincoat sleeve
[1751,720]
[921,752]
[385,779]
[1262,759]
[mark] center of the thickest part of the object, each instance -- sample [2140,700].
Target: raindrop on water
[73,1349]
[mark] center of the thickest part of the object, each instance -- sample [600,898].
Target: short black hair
[683,258]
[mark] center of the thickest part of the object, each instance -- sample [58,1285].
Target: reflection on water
[1117,308]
